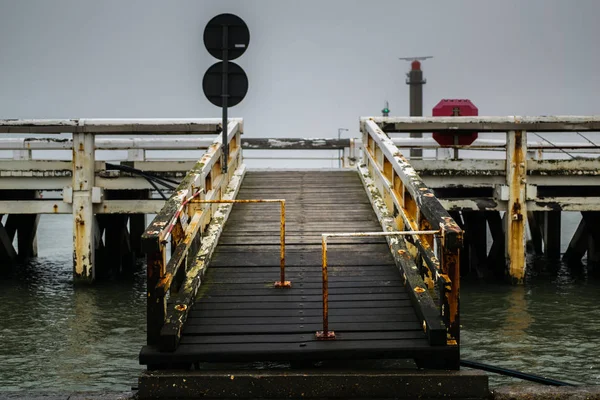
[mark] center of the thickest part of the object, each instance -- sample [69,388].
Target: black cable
[555,146]
[162,181]
[513,373]
[127,168]
[159,190]
[593,144]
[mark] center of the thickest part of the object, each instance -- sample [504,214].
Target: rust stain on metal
[419,289]
[165,282]
[181,307]
[325,333]
[282,283]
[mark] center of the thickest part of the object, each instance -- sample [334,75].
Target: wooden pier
[372,252]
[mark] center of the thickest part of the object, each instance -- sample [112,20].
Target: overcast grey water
[54,337]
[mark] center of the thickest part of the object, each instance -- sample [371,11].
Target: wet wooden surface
[240,316]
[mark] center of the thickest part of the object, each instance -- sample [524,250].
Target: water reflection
[548,326]
[517,320]
[53,337]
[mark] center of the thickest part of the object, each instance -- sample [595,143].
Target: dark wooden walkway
[240,316]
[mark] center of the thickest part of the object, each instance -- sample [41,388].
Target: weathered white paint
[59,206]
[545,204]
[558,123]
[465,167]
[83,212]
[213,232]
[114,126]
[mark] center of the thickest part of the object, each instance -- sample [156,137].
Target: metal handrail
[326,334]
[282,283]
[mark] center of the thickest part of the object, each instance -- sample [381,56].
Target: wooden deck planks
[239,316]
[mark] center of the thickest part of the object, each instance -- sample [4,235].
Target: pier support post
[551,230]
[533,218]
[495,258]
[83,212]
[8,255]
[26,235]
[578,245]
[137,226]
[592,222]
[516,179]
[476,229]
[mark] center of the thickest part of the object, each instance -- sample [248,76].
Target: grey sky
[313,66]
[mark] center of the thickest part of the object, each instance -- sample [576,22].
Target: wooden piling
[476,231]
[23,227]
[551,234]
[137,224]
[83,212]
[115,253]
[578,245]
[533,218]
[8,255]
[592,221]
[516,175]
[26,235]
[495,258]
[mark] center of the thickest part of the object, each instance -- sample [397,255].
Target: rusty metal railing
[404,203]
[327,334]
[282,283]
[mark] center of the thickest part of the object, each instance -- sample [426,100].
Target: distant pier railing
[89,188]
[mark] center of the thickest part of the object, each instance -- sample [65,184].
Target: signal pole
[414,78]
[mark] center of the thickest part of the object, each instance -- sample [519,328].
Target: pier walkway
[240,316]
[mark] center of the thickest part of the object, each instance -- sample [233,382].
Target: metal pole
[340,154]
[326,333]
[282,282]
[225,95]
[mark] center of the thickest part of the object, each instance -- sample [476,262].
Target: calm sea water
[57,338]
